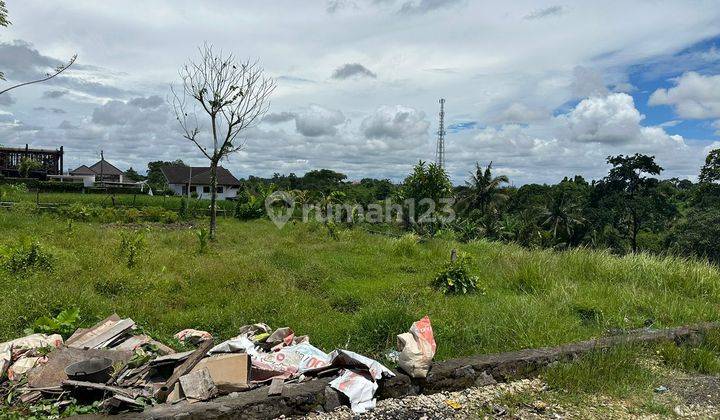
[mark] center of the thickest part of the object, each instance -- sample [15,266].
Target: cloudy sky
[542,89]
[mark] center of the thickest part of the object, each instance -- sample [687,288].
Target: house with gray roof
[103,171]
[196,179]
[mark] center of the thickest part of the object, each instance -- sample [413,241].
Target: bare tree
[59,69]
[233,94]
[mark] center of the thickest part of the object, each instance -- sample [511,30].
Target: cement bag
[417,349]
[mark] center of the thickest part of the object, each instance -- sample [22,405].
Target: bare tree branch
[233,94]
[59,69]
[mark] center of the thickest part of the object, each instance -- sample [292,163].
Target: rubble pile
[116,368]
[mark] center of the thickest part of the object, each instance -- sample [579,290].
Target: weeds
[27,257]
[702,359]
[406,245]
[615,371]
[65,323]
[132,243]
[455,277]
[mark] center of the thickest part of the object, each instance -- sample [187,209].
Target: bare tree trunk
[213,199]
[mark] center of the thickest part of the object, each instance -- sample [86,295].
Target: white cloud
[577,142]
[394,122]
[609,119]
[520,113]
[694,96]
[587,82]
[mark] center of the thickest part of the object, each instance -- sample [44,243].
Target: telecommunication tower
[440,151]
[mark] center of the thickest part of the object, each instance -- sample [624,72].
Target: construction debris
[198,385]
[229,372]
[417,349]
[121,370]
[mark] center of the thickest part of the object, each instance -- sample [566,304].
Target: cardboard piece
[229,372]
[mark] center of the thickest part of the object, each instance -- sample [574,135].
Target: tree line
[629,210]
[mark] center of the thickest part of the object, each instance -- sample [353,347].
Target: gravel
[468,403]
[530,398]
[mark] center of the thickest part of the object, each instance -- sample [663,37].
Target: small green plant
[132,243]
[332,230]
[27,257]
[203,237]
[455,277]
[183,211]
[406,245]
[65,323]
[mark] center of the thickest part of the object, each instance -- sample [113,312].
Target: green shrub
[455,278]
[252,209]
[80,212]
[27,257]
[159,215]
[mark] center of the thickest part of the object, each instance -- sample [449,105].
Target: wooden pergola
[51,160]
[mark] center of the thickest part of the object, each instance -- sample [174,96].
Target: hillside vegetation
[357,291]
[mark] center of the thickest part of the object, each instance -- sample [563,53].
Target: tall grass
[356,291]
[125,200]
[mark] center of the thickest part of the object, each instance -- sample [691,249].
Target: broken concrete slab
[198,385]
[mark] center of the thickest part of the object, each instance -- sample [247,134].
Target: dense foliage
[630,210]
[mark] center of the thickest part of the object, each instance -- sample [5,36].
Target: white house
[197,179]
[103,171]
[86,180]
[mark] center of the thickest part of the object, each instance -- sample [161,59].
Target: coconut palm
[562,214]
[485,191]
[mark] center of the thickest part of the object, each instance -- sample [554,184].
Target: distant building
[102,171]
[51,161]
[197,180]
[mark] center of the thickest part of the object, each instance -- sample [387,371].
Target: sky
[542,89]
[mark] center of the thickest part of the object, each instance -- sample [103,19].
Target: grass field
[357,292]
[106,200]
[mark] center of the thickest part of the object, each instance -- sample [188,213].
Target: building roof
[105,168]
[177,174]
[82,170]
[102,167]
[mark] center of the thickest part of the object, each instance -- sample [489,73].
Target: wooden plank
[101,387]
[183,369]
[107,335]
[82,333]
[276,387]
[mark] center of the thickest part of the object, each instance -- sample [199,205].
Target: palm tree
[562,214]
[485,190]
